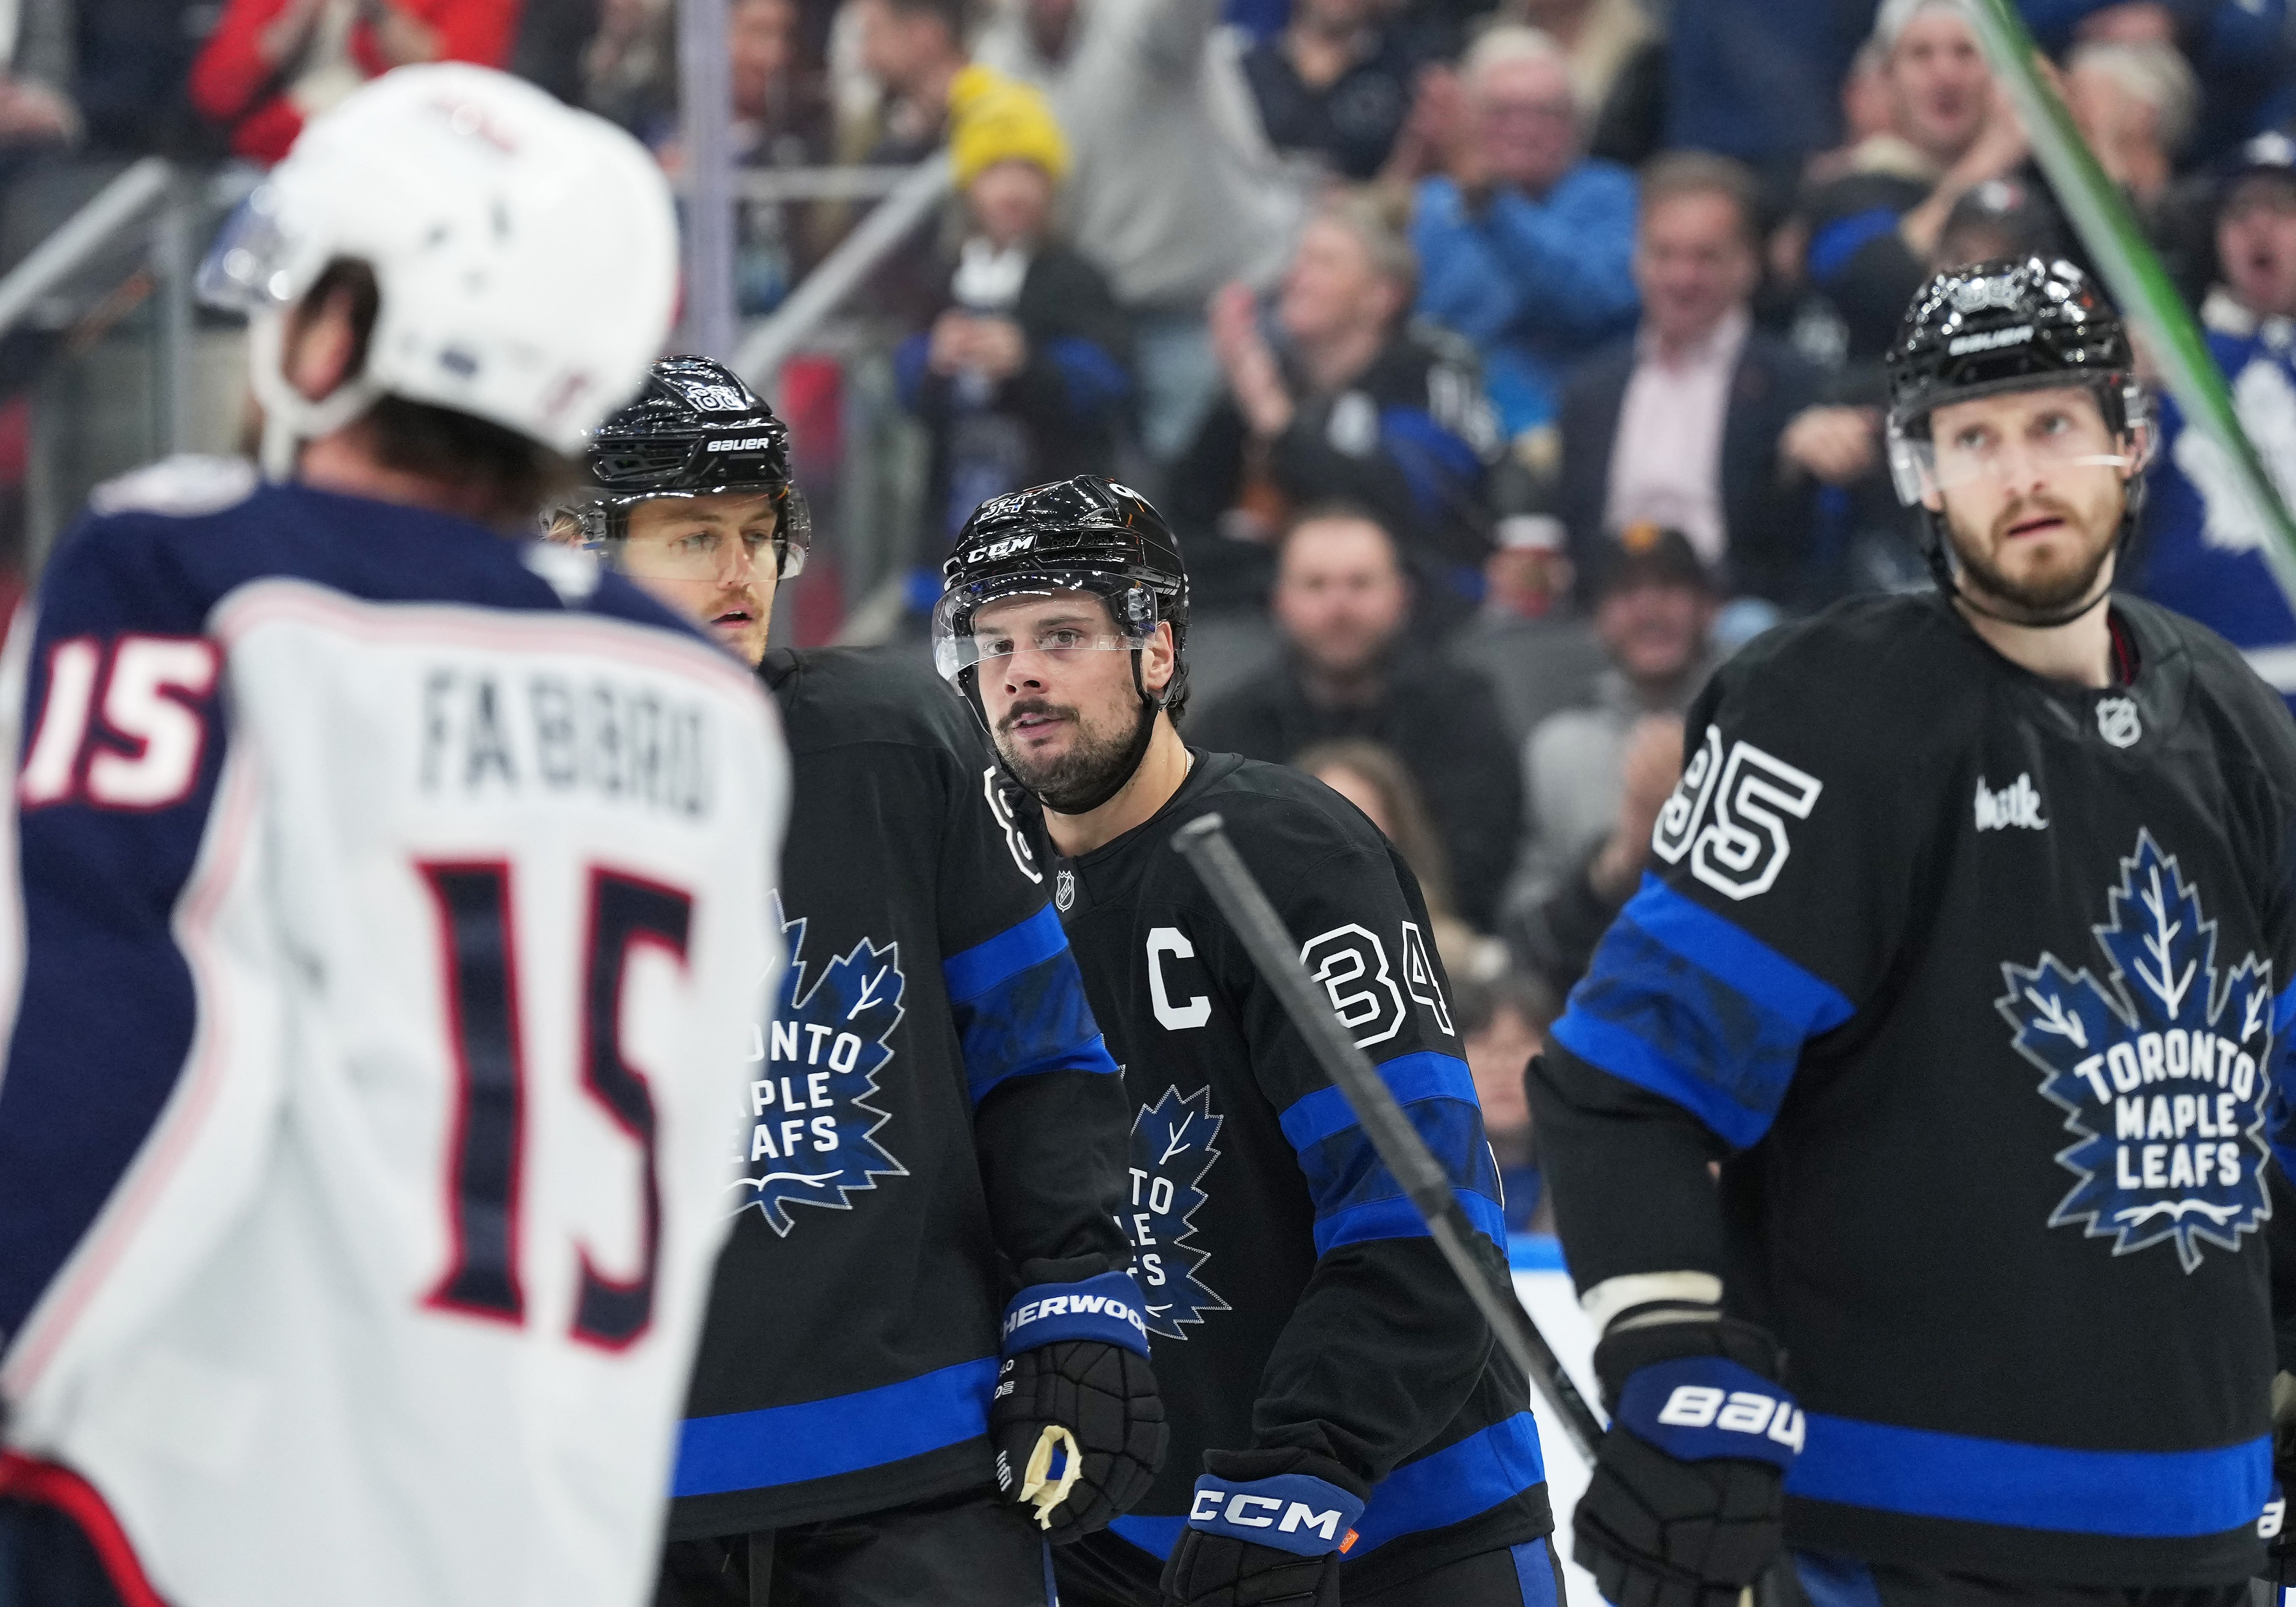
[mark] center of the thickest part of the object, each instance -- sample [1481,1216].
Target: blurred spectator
[2134,106]
[547,47]
[2000,218]
[1688,424]
[2239,48]
[1616,57]
[913,49]
[271,65]
[1524,242]
[1593,778]
[1873,231]
[1342,604]
[1502,1024]
[1370,776]
[1166,201]
[1021,379]
[129,63]
[630,67]
[36,111]
[1334,84]
[1344,402]
[2204,555]
[1760,79]
[1529,639]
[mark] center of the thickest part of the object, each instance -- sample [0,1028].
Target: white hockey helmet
[526,254]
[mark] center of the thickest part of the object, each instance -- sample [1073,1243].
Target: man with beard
[1966,955]
[933,1136]
[1339,1413]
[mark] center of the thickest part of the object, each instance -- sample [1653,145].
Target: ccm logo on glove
[1701,1407]
[1106,1308]
[1290,1512]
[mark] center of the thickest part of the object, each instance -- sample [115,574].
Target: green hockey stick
[2130,269]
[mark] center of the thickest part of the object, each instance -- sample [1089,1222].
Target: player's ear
[324,344]
[1157,659]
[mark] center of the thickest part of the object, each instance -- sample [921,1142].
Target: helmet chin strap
[291,418]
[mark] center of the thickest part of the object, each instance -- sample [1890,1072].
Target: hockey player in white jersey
[381,926]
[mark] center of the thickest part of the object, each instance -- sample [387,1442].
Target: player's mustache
[1037,706]
[2031,507]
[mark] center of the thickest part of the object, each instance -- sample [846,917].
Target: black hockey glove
[1076,1419]
[1266,1529]
[1686,1503]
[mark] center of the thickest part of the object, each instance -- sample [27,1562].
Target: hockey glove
[1267,1528]
[1686,1503]
[1076,1419]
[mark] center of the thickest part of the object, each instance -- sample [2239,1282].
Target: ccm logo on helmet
[1991,340]
[1259,1511]
[1006,548]
[1735,1412]
[748,443]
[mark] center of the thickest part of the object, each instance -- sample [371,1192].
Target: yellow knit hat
[993,118]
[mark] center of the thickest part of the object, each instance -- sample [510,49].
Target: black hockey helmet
[1084,534]
[2001,326]
[1998,326]
[695,429]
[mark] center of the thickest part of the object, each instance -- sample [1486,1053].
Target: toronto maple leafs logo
[812,1134]
[2160,1069]
[1171,1152]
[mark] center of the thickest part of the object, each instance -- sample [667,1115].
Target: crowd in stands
[1503,363]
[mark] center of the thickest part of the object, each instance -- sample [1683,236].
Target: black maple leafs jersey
[1981,983]
[932,1121]
[1294,1296]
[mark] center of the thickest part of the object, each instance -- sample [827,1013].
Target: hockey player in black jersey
[1342,1422]
[1967,955]
[925,1283]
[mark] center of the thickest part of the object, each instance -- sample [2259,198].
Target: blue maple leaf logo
[812,1134]
[2162,1073]
[1171,1152]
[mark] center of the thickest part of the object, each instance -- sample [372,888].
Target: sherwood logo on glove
[1104,1308]
[1701,1407]
[1290,1512]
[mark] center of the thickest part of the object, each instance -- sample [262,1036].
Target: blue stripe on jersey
[1684,1003]
[1020,1007]
[2139,1495]
[1013,950]
[1534,1573]
[846,1434]
[1357,1197]
[1462,1481]
[1467,1478]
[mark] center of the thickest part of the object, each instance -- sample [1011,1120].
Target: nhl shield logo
[2117,722]
[2161,1066]
[1064,891]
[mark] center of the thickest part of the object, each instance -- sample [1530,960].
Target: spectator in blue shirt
[1525,243]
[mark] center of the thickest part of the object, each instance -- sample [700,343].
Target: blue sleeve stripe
[845,1434]
[1689,1004]
[1035,1021]
[2147,1495]
[1424,1074]
[1397,1218]
[1622,1053]
[1010,952]
[1731,955]
[1463,1480]
[1837,242]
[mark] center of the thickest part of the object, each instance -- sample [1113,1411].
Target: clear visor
[2017,444]
[248,267]
[715,551]
[989,620]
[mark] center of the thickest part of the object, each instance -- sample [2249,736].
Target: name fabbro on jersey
[812,1132]
[486,733]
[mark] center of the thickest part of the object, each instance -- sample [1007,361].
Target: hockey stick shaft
[1204,843]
